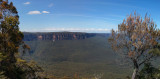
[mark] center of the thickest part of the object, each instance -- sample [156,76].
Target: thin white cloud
[27,3]
[87,30]
[34,12]
[50,5]
[104,30]
[45,12]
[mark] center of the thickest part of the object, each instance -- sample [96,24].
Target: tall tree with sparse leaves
[138,38]
[12,66]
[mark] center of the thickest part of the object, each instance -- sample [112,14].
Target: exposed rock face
[58,36]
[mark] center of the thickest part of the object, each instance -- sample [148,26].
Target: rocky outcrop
[28,36]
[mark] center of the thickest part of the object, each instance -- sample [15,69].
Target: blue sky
[93,16]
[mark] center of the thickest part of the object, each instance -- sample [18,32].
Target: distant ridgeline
[31,36]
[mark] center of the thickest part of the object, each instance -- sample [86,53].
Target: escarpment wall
[28,36]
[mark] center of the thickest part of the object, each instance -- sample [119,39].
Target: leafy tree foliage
[149,72]
[12,66]
[138,38]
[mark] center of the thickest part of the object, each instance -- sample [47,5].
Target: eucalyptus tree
[12,66]
[138,38]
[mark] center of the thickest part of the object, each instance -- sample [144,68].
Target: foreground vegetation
[138,39]
[12,66]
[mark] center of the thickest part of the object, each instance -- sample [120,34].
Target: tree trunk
[134,73]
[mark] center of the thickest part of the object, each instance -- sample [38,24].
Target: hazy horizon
[62,32]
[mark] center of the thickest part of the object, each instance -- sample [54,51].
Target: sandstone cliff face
[57,36]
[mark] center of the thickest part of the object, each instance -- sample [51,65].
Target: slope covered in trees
[86,58]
